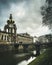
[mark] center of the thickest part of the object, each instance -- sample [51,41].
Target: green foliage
[46,12]
[43,59]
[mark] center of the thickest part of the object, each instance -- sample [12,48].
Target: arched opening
[6,30]
[2,37]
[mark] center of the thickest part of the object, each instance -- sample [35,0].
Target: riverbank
[43,59]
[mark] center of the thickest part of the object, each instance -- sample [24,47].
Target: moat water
[10,58]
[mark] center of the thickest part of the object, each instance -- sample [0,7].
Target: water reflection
[10,58]
[34,52]
[23,63]
[31,59]
[26,62]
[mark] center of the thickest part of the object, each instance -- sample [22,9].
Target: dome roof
[10,21]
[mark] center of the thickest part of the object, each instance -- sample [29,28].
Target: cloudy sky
[26,14]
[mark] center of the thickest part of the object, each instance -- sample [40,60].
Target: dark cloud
[5,4]
[8,2]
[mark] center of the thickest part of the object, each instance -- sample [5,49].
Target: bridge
[26,46]
[33,46]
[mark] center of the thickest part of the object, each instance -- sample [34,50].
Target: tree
[46,11]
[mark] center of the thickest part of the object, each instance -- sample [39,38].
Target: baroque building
[45,38]
[9,34]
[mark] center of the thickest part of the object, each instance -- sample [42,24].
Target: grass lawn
[43,59]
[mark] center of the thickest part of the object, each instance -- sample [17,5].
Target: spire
[10,16]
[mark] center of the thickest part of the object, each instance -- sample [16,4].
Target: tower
[10,27]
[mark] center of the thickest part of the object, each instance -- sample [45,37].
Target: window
[2,37]
[7,30]
[5,37]
[13,30]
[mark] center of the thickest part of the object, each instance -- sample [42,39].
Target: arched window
[7,30]
[2,37]
[13,30]
[5,37]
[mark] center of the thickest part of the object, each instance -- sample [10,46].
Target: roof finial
[10,16]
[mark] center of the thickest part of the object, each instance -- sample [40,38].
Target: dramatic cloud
[26,13]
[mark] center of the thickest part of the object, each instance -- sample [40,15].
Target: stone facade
[45,38]
[9,35]
[26,38]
